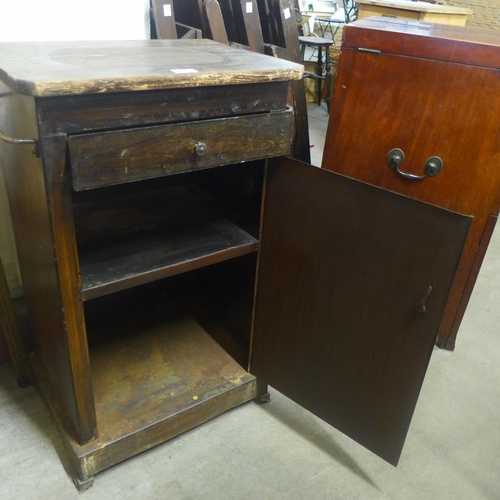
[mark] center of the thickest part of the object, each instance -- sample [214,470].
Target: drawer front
[115,157]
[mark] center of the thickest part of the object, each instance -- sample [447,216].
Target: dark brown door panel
[343,267]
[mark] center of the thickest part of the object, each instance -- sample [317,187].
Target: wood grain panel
[343,266]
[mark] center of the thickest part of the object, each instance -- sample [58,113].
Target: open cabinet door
[346,318]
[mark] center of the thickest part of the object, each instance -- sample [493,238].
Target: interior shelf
[125,242]
[168,367]
[158,376]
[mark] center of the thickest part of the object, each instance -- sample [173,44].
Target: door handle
[432,166]
[421,307]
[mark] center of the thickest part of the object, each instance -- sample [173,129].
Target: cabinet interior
[168,272]
[135,233]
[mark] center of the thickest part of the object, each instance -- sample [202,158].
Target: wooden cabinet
[173,268]
[431,91]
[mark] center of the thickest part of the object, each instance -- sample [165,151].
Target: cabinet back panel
[219,297]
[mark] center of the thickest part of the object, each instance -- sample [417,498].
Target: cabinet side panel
[28,203]
[58,188]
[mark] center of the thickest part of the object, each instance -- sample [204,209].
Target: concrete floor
[280,451]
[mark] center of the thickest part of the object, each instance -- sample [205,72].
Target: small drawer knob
[201,148]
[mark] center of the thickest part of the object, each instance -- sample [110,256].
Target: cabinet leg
[264,398]
[83,484]
[262,390]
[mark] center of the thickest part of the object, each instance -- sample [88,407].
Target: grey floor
[280,451]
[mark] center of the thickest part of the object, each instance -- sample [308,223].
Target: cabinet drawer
[115,157]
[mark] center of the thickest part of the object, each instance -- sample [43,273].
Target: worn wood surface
[57,68]
[178,366]
[128,155]
[337,328]
[174,369]
[409,102]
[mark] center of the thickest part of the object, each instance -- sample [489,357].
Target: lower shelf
[152,386]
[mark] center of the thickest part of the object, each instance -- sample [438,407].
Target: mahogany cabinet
[429,90]
[175,261]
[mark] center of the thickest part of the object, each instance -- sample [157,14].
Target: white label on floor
[167,10]
[249,7]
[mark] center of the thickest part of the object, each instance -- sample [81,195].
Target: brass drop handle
[201,148]
[421,307]
[432,166]
[10,140]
